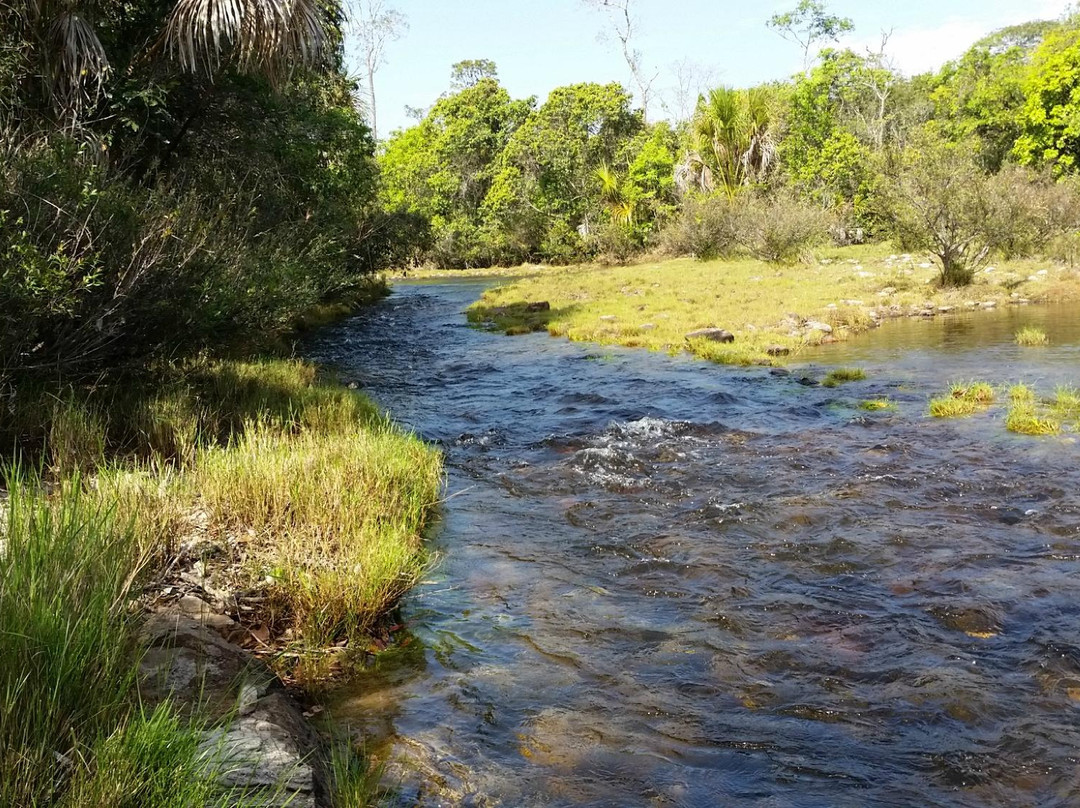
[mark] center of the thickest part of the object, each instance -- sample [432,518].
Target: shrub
[942,201]
[706,227]
[780,230]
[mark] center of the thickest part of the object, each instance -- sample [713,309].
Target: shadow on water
[665,582]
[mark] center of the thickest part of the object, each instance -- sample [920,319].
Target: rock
[353,385]
[806,381]
[267,755]
[814,325]
[267,751]
[888,290]
[945,309]
[647,327]
[198,609]
[607,318]
[779,372]
[989,304]
[712,334]
[190,663]
[540,305]
[778,350]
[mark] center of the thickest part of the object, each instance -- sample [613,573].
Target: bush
[615,243]
[941,200]
[780,230]
[706,228]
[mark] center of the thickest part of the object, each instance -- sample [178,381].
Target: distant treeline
[852,148]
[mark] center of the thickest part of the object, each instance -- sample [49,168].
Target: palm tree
[613,195]
[267,37]
[734,139]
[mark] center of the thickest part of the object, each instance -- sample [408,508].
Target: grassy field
[308,494]
[764,306]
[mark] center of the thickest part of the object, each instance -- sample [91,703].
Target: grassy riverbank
[280,484]
[764,306]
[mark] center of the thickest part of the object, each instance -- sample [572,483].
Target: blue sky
[544,44]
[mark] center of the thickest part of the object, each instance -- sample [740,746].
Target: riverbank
[769,312]
[255,498]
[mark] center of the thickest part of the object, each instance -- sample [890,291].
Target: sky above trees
[544,44]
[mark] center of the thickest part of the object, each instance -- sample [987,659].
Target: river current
[662,582]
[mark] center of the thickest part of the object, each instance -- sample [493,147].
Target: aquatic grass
[838,376]
[952,407]
[1066,404]
[975,392]
[877,404]
[1021,394]
[1029,336]
[355,782]
[333,519]
[963,399]
[1025,419]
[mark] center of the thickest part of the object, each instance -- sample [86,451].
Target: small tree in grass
[941,201]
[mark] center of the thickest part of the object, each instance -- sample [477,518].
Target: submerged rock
[778,350]
[712,334]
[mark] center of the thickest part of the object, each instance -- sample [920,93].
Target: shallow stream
[664,582]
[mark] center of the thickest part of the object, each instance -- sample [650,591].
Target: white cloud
[920,49]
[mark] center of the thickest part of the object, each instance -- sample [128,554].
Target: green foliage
[443,169]
[1051,134]
[733,139]
[981,95]
[942,201]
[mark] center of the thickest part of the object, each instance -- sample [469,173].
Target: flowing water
[665,582]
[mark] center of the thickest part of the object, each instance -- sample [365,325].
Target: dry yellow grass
[654,305]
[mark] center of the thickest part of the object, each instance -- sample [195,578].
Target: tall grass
[336,518]
[69,658]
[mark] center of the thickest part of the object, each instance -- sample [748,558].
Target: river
[662,582]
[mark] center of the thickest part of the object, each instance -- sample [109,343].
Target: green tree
[545,196]
[443,168]
[981,95]
[733,139]
[1050,118]
[809,24]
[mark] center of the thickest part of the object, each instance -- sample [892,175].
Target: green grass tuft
[1029,336]
[877,404]
[839,376]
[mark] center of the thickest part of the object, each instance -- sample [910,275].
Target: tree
[546,195]
[624,26]
[468,72]
[67,57]
[690,80]
[808,24]
[375,25]
[442,168]
[733,139]
[942,200]
[981,95]
[1050,118]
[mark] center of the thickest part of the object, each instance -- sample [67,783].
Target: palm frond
[261,36]
[76,61]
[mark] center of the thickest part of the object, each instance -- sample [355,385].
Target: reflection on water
[665,582]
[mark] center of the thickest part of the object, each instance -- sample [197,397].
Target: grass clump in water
[1029,336]
[1027,415]
[877,405]
[963,399]
[838,376]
